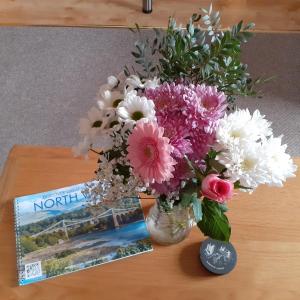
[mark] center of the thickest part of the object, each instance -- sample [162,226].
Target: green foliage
[27,244]
[55,266]
[189,193]
[30,244]
[163,203]
[237,185]
[41,225]
[142,245]
[212,165]
[64,253]
[198,55]
[214,222]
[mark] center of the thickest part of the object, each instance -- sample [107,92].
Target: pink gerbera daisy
[149,153]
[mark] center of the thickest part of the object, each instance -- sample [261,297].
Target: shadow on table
[190,264]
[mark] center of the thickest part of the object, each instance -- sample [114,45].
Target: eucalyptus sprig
[199,53]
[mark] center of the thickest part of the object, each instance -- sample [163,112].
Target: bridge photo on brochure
[58,233]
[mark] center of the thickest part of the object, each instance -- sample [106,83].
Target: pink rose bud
[217,189]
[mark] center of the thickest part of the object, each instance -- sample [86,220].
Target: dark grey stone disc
[218,257]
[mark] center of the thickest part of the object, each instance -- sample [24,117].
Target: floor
[49,78]
[268,15]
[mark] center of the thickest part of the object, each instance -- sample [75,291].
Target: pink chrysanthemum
[200,105]
[182,172]
[201,143]
[177,131]
[149,153]
[189,114]
[212,105]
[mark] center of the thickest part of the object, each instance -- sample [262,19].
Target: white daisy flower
[279,163]
[112,121]
[152,83]
[104,142]
[110,100]
[112,81]
[93,124]
[132,82]
[135,108]
[82,148]
[241,126]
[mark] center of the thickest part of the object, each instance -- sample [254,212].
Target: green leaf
[212,154]
[223,207]
[237,185]
[196,18]
[197,208]
[214,222]
[239,26]
[187,198]
[136,55]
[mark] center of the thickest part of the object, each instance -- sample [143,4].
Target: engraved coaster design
[218,257]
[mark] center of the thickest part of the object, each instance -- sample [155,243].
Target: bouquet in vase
[169,128]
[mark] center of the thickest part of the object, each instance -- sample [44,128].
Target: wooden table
[265,233]
[269,16]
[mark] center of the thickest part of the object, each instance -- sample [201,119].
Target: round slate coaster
[218,257]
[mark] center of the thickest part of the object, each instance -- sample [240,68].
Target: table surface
[265,234]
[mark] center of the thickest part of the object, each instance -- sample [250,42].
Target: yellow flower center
[248,164]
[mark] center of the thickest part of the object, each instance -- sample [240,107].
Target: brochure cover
[57,233]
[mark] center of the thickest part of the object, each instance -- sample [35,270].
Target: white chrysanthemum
[255,163]
[241,126]
[109,99]
[135,108]
[279,163]
[245,162]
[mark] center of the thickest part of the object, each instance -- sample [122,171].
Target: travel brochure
[57,232]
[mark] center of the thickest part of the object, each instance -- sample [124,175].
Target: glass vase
[167,228]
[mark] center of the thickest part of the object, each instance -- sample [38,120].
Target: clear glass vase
[167,228]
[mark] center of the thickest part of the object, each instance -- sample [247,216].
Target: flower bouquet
[169,128]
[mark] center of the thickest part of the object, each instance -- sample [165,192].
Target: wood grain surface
[265,234]
[269,15]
